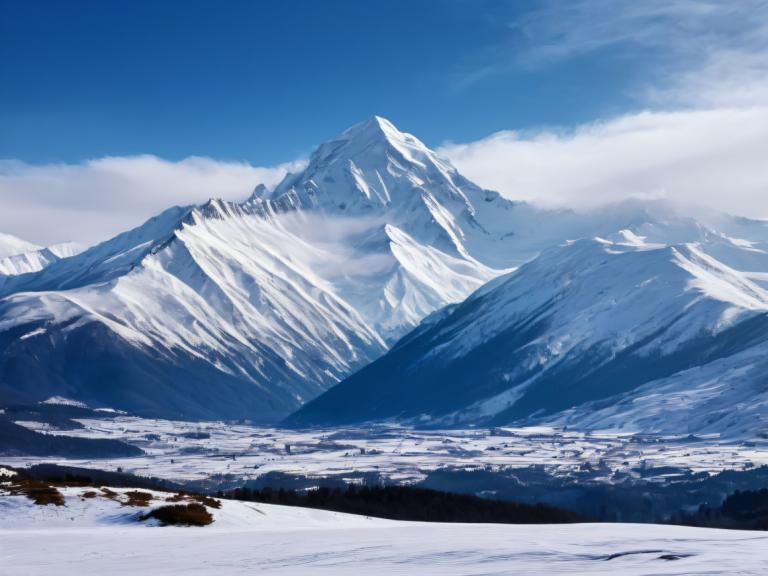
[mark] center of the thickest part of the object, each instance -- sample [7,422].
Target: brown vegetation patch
[107,493]
[44,495]
[201,498]
[207,500]
[137,498]
[89,494]
[40,493]
[194,514]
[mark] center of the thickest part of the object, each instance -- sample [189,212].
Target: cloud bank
[703,86]
[714,158]
[94,200]
[709,157]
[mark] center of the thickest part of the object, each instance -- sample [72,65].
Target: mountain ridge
[580,324]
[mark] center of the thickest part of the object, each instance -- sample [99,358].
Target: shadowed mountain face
[580,325]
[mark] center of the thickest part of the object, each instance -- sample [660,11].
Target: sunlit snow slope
[18,256]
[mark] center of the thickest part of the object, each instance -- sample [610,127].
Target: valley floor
[217,453]
[100,535]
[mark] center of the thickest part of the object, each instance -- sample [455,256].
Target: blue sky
[111,111]
[265,81]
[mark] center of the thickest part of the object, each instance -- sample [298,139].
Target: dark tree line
[408,503]
[744,509]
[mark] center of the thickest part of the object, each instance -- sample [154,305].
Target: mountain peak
[377,136]
[373,122]
[374,128]
[373,166]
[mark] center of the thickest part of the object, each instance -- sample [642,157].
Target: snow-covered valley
[218,453]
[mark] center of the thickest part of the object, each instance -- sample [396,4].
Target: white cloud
[94,200]
[688,29]
[714,158]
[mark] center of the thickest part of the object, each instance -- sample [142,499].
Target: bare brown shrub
[39,492]
[181,515]
[201,498]
[107,493]
[137,498]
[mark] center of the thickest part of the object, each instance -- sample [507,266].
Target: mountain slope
[210,317]
[581,323]
[104,261]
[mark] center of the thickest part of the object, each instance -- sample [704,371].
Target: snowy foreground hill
[95,532]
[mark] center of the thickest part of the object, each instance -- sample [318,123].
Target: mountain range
[247,310]
[380,284]
[592,334]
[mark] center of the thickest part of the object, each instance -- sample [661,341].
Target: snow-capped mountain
[374,171]
[11,245]
[206,311]
[248,310]
[35,258]
[18,256]
[594,333]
